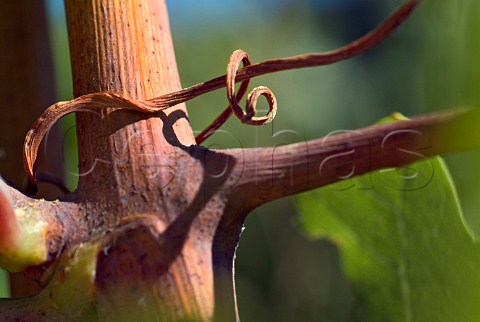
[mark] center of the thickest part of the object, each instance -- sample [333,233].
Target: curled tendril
[249,116]
[308,60]
[234,74]
[252,98]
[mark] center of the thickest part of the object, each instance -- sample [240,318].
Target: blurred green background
[429,64]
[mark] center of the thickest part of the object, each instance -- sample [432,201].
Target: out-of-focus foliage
[450,56]
[407,254]
[404,245]
[4,286]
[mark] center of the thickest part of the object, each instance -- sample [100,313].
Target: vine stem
[269,173]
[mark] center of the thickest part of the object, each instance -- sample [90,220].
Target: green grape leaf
[403,243]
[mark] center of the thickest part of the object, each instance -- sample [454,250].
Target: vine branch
[266,174]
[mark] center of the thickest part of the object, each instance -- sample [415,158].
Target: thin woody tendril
[234,75]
